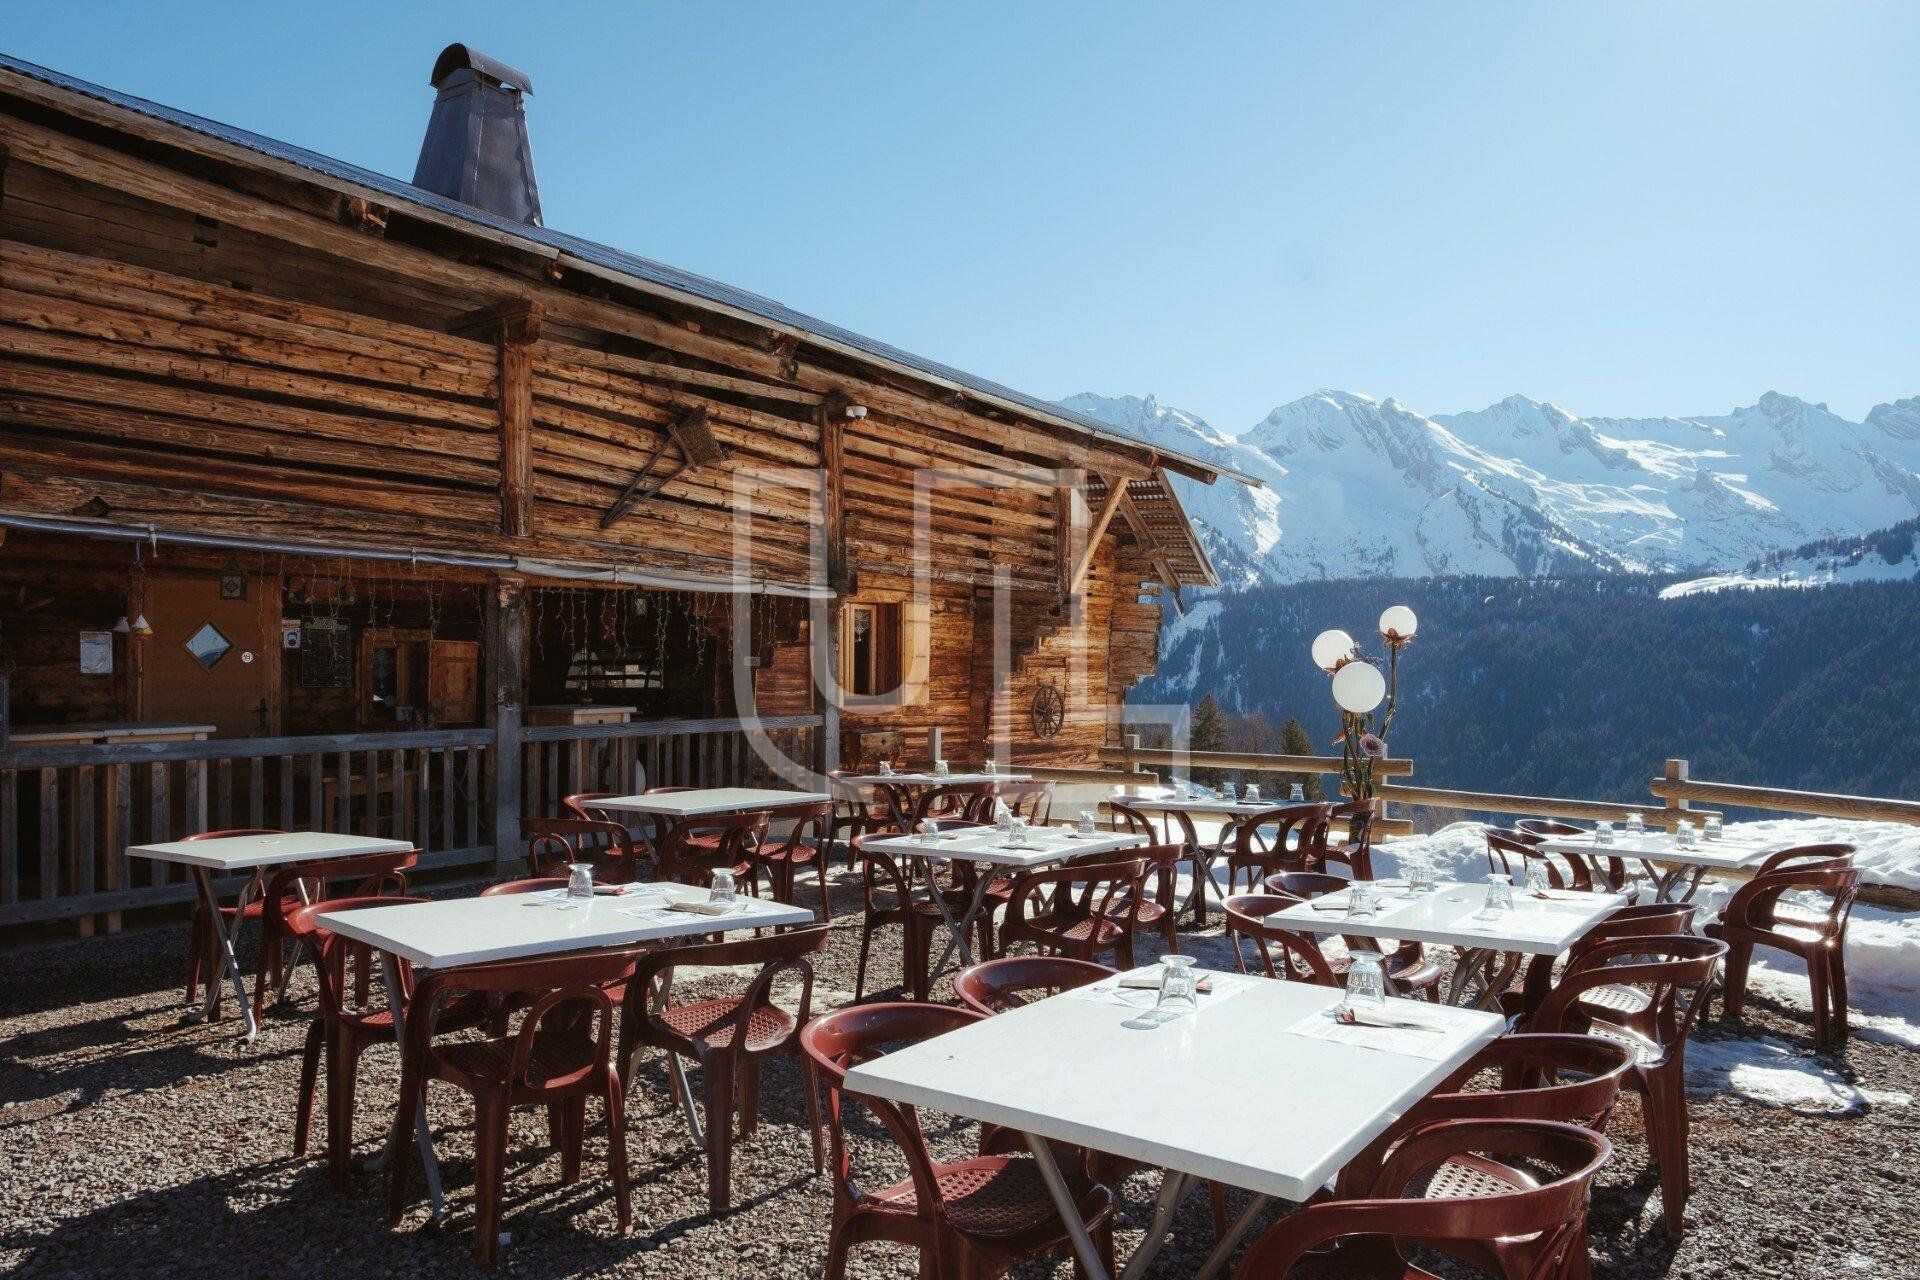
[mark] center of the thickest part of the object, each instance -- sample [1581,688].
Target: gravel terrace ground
[134,1142]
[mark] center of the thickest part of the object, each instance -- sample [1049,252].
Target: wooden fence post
[1677,771]
[506,654]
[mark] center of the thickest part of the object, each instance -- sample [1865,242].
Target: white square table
[517,926]
[228,854]
[1235,811]
[1676,870]
[1535,927]
[990,851]
[707,802]
[1086,1072]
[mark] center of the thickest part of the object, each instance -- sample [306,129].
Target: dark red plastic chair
[342,1030]
[1030,800]
[1509,852]
[1406,966]
[529,884]
[690,852]
[1356,853]
[729,1036]
[998,985]
[555,843]
[886,898]
[370,875]
[1300,957]
[1610,869]
[582,804]
[804,845]
[1642,920]
[856,812]
[1756,916]
[1675,975]
[1176,828]
[1082,910]
[1256,855]
[1533,1232]
[561,1054]
[969,1219]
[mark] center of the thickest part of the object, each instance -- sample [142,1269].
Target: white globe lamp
[1359,687]
[1331,648]
[1398,624]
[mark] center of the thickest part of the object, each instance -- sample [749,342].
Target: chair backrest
[1137,822]
[1030,800]
[1818,868]
[1674,972]
[371,874]
[1307,822]
[1567,1079]
[737,835]
[1300,957]
[558,993]
[530,884]
[1357,852]
[581,805]
[775,953]
[1412,1198]
[1304,884]
[807,827]
[998,985]
[328,950]
[1643,920]
[553,843]
[838,1041]
[960,801]
[1509,852]
[1075,892]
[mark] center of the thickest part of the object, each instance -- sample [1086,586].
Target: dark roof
[644,271]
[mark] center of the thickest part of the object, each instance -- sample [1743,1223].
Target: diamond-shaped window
[207,645]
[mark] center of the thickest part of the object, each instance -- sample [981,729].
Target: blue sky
[1627,208]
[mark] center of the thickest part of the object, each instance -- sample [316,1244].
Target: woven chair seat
[710,1022]
[555,1054]
[990,1196]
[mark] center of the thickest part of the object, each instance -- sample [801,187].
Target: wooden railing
[68,813]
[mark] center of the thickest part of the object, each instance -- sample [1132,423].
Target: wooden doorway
[211,660]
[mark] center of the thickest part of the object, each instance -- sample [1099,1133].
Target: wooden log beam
[514,325]
[1820,803]
[1116,494]
[1150,547]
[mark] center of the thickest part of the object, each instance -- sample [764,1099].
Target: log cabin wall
[196,343]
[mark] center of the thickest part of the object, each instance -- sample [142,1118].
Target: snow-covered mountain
[1359,487]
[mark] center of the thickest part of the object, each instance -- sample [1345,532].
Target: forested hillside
[1581,687]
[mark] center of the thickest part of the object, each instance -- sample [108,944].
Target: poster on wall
[96,653]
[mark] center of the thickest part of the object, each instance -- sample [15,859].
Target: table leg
[1236,1232]
[678,1071]
[423,1136]
[958,928]
[1092,1268]
[1173,1189]
[204,879]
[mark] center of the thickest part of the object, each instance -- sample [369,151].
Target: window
[870,650]
[207,645]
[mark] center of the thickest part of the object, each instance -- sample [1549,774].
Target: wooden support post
[1677,771]
[515,326]
[833,435]
[826,665]
[506,660]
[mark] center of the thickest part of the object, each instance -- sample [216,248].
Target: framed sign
[326,654]
[96,653]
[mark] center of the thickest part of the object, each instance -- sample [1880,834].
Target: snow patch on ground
[1775,1074]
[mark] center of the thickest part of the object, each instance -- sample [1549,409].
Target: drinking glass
[1366,982]
[580,880]
[1297,794]
[1499,897]
[1360,899]
[1683,834]
[929,831]
[1017,831]
[1713,826]
[1420,875]
[1603,833]
[1253,792]
[940,769]
[1230,791]
[722,889]
[1088,826]
[1636,825]
[989,767]
[1179,986]
[886,768]
[1537,877]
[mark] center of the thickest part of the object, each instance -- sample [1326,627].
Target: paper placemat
[1447,1023]
[1109,991]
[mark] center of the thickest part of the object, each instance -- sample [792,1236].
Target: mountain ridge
[1364,487]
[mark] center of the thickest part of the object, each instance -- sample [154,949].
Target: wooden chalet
[336,501]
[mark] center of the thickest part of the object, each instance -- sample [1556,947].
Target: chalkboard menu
[326,654]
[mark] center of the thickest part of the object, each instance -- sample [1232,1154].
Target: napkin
[1150,981]
[703,908]
[1369,1016]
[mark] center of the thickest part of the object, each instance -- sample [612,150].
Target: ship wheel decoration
[1049,711]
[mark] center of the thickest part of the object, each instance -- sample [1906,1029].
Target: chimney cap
[456,57]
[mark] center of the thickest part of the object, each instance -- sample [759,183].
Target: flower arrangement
[1359,689]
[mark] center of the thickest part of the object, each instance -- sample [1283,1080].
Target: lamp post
[1359,689]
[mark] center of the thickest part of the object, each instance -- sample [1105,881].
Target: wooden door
[453,682]
[208,660]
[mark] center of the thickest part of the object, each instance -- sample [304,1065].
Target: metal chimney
[476,149]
